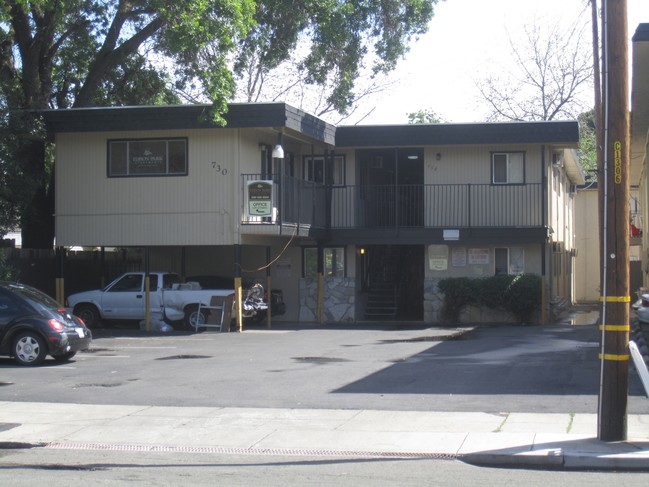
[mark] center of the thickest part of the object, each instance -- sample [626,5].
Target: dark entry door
[394,283]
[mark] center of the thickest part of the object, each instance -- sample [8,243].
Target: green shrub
[458,292]
[523,296]
[7,271]
[519,294]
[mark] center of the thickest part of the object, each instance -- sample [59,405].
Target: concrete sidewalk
[507,439]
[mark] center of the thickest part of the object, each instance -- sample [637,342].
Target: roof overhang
[564,134]
[279,116]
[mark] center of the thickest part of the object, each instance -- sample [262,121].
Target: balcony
[404,206]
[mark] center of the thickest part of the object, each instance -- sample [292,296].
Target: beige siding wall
[199,209]
[587,261]
[472,164]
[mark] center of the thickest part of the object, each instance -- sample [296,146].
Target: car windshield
[35,297]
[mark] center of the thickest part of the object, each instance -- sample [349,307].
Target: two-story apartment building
[353,223]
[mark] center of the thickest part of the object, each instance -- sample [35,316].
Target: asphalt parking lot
[505,368]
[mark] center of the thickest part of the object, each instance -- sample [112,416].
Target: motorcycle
[253,301]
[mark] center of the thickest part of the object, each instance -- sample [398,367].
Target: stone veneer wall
[339,299]
[433,301]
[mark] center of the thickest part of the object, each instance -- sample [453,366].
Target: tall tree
[550,73]
[77,53]
[425,116]
[340,48]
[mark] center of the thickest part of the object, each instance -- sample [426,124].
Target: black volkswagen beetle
[33,325]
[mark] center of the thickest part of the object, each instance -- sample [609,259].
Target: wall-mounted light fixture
[278,150]
[438,156]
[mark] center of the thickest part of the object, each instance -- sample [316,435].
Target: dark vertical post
[102,264]
[320,285]
[147,290]
[269,291]
[545,302]
[328,181]
[183,262]
[615,256]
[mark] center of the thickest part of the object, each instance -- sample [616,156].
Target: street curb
[558,461]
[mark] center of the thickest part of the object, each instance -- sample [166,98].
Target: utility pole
[614,195]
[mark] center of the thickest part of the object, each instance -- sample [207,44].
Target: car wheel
[89,314]
[195,318]
[29,349]
[64,357]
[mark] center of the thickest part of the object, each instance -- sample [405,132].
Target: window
[314,170]
[508,167]
[128,283]
[509,260]
[334,261]
[147,157]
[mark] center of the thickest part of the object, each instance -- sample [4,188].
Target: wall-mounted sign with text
[260,198]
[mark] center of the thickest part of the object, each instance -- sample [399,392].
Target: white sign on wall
[438,257]
[458,256]
[260,198]
[478,256]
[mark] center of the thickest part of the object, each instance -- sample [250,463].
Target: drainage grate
[176,357]
[247,451]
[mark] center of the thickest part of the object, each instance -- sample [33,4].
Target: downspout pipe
[546,284]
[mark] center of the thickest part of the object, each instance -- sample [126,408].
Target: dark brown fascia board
[565,133]
[280,116]
[178,117]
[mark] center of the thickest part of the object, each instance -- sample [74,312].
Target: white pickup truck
[124,299]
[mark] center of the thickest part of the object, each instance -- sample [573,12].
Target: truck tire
[194,318]
[89,314]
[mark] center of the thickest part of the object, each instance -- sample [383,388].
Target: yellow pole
[320,305]
[60,294]
[270,299]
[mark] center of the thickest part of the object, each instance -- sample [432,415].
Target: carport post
[269,291]
[147,291]
[320,289]
[237,286]
[59,284]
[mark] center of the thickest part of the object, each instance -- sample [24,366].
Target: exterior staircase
[382,300]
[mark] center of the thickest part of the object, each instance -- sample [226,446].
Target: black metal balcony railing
[423,205]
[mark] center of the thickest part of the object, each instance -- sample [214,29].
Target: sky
[465,40]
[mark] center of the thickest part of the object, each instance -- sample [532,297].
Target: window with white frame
[509,260]
[314,170]
[147,157]
[334,261]
[508,167]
